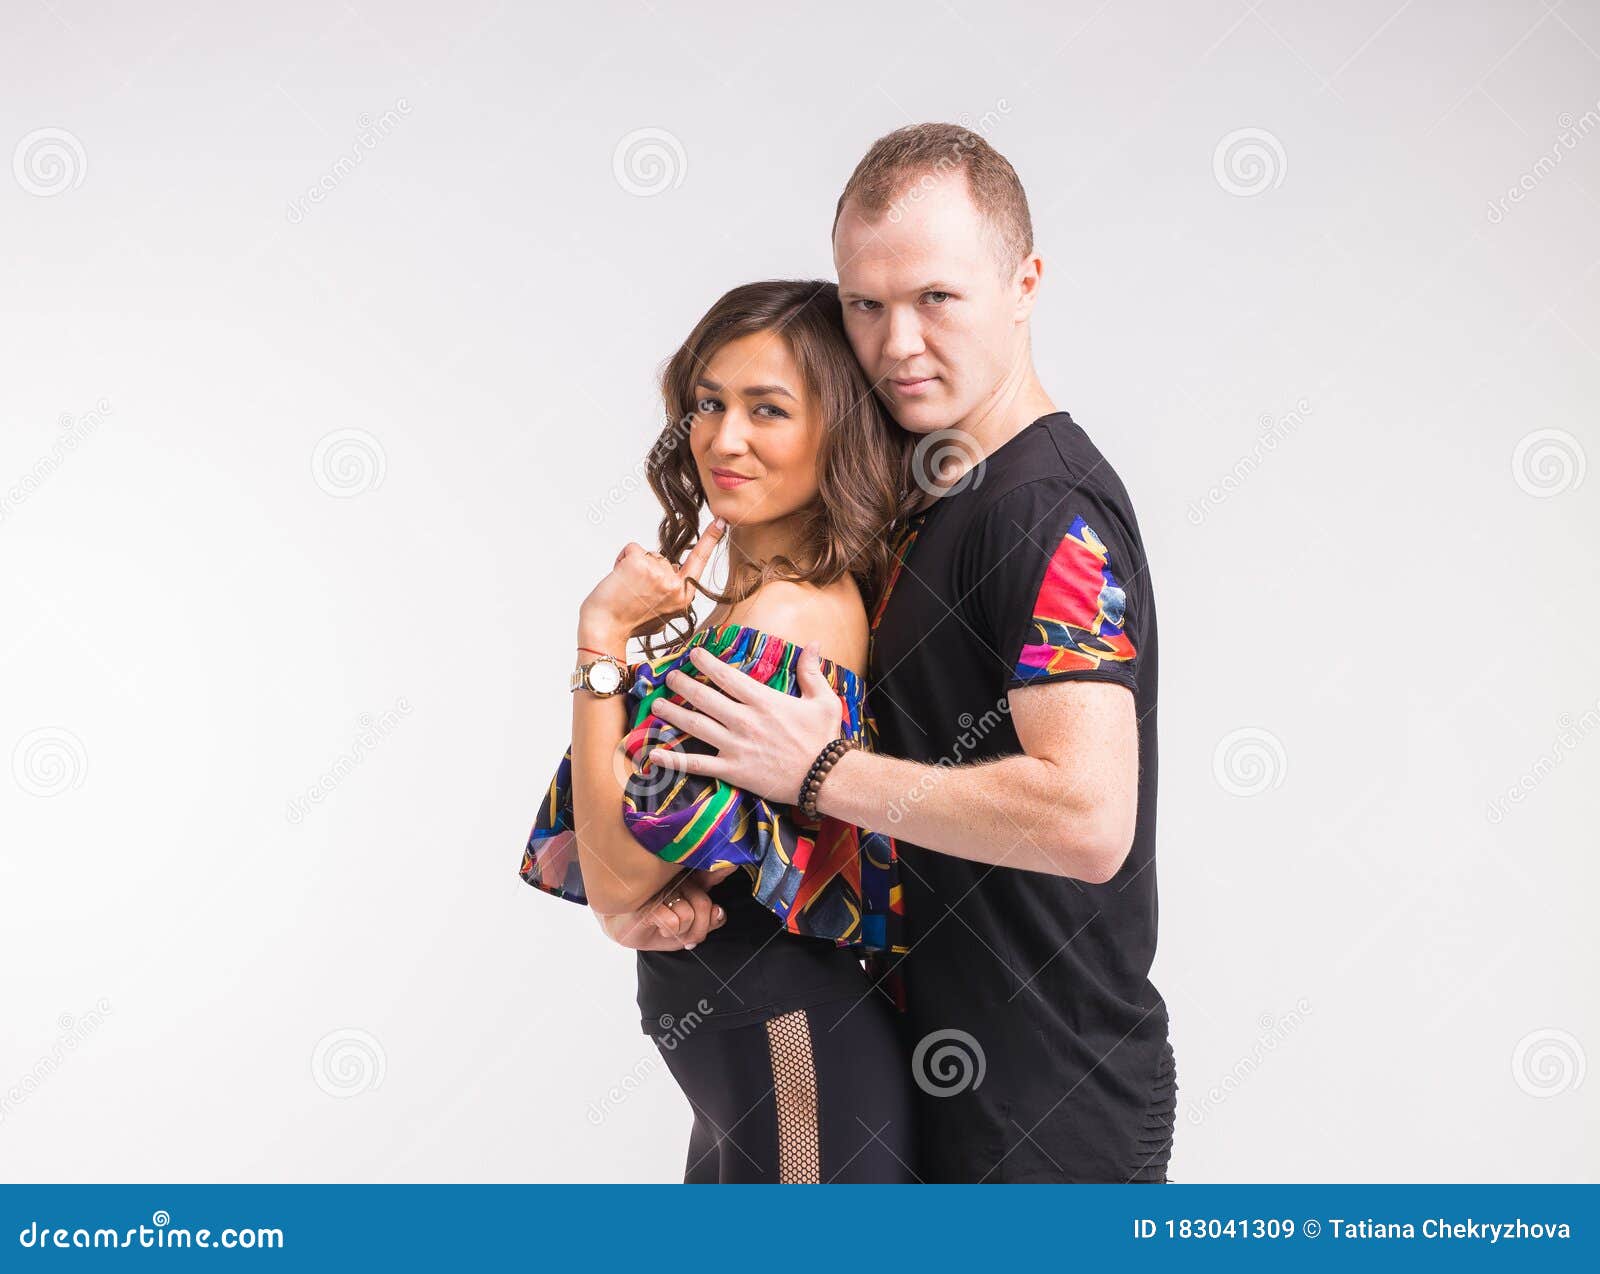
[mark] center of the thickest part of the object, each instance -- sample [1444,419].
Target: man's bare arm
[1067,806]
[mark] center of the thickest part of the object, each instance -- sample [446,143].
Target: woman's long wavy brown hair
[863,463]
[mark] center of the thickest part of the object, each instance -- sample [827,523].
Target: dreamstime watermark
[1272,432]
[49,161]
[1549,1062]
[973,730]
[1572,132]
[1249,761]
[952,161]
[372,132]
[1571,735]
[373,732]
[673,1031]
[71,1032]
[648,161]
[160,1234]
[348,1062]
[75,431]
[348,462]
[1548,462]
[948,1062]
[668,442]
[49,761]
[1274,1031]
[1249,161]
[947,461]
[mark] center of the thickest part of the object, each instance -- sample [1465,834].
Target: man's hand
[765,739]
[659,927]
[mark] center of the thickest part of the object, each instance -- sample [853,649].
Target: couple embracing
[881,824]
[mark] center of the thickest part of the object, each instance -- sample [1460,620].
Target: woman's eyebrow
[749,391]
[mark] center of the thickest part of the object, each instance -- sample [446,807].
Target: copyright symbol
[1312,1228]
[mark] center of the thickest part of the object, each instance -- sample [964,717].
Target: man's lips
[727,479]
[912,384]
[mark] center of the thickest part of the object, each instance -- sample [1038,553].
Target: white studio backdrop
[329,338]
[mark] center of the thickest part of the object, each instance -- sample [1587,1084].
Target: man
[1012,678]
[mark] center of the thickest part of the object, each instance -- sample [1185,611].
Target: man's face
[932,321]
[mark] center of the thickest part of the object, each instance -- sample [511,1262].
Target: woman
[788,1056]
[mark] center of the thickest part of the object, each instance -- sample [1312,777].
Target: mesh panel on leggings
[794,1085]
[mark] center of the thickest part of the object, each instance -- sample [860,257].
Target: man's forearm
[1018,811]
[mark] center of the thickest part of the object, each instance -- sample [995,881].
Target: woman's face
[755,435]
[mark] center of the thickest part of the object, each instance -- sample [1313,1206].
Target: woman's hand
[644,590]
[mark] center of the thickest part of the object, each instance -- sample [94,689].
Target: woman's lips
[727,481]
[912,386]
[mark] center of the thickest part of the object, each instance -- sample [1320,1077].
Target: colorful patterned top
[822,878]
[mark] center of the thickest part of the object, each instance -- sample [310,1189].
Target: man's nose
[904,339]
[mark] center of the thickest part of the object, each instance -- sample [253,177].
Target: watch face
[604,678]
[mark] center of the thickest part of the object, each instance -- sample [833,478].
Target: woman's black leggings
[818,1094]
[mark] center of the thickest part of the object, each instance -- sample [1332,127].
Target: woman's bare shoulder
[833,616]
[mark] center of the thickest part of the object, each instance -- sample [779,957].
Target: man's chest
[936,683]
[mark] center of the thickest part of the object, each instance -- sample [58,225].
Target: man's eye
[862,306]
[708,406]
[937,298]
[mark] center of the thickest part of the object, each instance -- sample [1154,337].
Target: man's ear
[1029,273]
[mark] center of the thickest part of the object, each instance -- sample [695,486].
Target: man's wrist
[830,796]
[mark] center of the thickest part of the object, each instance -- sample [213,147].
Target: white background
[1371,975]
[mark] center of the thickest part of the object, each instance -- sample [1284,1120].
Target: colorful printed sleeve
[822,878]
[1061,585]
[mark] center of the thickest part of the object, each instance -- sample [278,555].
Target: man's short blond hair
[903,164]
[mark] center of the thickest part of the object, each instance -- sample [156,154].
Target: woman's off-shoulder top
[822,878]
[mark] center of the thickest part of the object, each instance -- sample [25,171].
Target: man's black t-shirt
[1040,1044]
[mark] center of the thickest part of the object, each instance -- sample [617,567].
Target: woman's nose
[730,438]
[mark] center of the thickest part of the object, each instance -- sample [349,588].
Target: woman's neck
[750,546]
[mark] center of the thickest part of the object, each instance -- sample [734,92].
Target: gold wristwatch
[602,677]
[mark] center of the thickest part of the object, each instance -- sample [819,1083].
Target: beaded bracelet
[811,789]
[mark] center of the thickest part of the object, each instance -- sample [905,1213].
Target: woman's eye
[937,298]
[778,413]
[707,406]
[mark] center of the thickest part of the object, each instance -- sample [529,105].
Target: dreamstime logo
[1272,432]
[348,1062]
[74,432]
[948,1062]
[72,1031]
[951,161]
[1275,1030]
[1548,1062]
[648,161]
[660,450]
[973,731]
[1249,161]
[1548,462]
[349,462]
[1572,132]
[373,731]
[645,783]
[1249,762]
[672,1032]
[49,761]
[49,161]
[947,461]
[1572,734]
[372,132]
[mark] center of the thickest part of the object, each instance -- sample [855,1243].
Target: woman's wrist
[601,635]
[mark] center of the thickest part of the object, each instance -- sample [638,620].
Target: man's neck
[1014,404]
